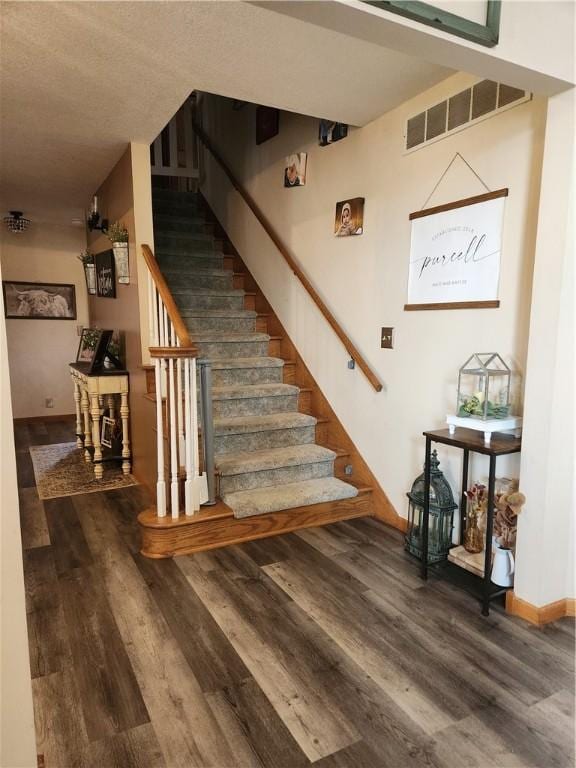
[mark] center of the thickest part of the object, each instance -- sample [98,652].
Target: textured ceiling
[81,79]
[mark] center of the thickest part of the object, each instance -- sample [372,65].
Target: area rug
[60,470]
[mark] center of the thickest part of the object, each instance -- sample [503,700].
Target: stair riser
[259,441]
[254,406]
[179,282]
[232,324]
[250,480]
[187,264]
[231,376]
[216,350]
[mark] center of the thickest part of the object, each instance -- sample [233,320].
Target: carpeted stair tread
[185,256]
[273,458]
[246,362]
[242,392]
[207,271]
[224,337]
[239,313]
[268,422]
[259,501]
[233,292]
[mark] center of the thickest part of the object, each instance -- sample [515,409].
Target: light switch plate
[387,338]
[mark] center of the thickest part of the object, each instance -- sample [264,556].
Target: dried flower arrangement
[117,233]
[476,511]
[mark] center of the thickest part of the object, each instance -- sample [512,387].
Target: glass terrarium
[484,387]
[440,520]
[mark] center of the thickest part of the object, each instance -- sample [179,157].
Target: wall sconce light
[93,220]
[16,222]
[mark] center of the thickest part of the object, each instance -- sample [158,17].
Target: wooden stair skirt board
[216,526]
[542,614]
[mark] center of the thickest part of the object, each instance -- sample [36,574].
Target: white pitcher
[503,567]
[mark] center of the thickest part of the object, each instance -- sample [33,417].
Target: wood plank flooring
[322,647]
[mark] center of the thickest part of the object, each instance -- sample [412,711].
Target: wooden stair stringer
[330,432]
[216,526]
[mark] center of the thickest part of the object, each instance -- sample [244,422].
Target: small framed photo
[108,426]
[349,219]
[92,348]
[105,275]
[267,123]
[329,132]
[39,301]
[295,170]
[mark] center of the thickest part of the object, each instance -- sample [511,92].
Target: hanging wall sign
[455,254]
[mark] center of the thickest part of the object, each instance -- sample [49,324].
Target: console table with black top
[469,441]
[93,392]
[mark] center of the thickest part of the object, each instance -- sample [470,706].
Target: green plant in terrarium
[484,387]
[86,257]
[117,233]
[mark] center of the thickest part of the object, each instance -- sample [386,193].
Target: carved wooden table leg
[95,411]
[85,406]
[124,413]
[79,427]
[111,407]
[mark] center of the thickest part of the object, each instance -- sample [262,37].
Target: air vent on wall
[482,100]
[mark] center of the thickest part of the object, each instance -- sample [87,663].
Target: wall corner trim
[542,614]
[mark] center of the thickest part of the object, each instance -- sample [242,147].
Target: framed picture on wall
[295,170]
[349,217]
[455,254]
[39,301]
[105,275]
[267,123]
[329,132]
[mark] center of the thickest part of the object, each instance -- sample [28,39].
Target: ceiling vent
[468,107]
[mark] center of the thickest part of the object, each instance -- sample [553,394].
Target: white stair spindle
[189,483]
[160,483]
[180,403]
[174,500]
[195,446]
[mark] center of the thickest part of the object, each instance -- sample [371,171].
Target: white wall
[39,350]
[546,547]
[17,743]
[363,280]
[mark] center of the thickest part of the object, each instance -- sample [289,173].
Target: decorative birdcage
[441,517]
[484,387]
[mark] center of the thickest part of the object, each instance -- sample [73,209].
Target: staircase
[266,451]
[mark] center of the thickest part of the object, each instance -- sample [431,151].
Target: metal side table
[469,441]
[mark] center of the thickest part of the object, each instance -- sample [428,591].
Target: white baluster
[180,403]
[194,428]
[151,294]
[161,332]
[189,483]
[174,501]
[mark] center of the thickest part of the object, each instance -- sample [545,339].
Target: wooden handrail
[338,330]
[168,300]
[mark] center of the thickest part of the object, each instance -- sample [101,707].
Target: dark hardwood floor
[320,647]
